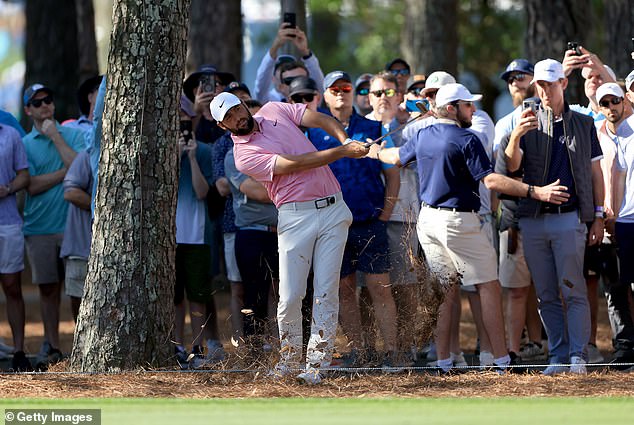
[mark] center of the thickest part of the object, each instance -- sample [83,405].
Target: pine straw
[202,385]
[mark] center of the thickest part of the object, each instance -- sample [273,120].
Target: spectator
[86,99]
[361,92]
[371,202]
[401,70]
[50,150]
[313,219]
[268,82]
[14,176]
[558,143]
[8,119]
[304,90]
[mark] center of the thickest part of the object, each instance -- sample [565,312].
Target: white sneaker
[578,365]
[310,377]
[555,369]
[486,359]
[459,360]
[594,355]
[531,351]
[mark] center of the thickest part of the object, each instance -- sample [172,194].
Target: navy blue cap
[236,86]
[34,89]
[302,85]
[518,65]
[333,76]
[390,64]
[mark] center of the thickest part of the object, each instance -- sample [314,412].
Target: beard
[520,95]
[463,121]
[247,129]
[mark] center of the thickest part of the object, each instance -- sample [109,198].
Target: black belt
[557,209]
[449,208]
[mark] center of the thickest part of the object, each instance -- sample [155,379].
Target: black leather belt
[325,202]
[557,209]
[448,208]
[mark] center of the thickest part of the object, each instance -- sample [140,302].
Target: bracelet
[598,209]
[530,191]
[310,53]
[347,141]
[599,214]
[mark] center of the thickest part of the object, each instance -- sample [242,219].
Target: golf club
[421,107]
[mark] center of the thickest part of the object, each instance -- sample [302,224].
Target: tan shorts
[76,270]
[11,249]
[513,268]
[43,254]
[457,245]
[403,241]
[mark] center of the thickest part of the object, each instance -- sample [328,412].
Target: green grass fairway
[305,411]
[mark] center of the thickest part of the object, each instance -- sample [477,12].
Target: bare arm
[392,187]
[618,190]
[43,182]
[78,197]
[287,164]
[222,184]
[595,235]
[199,183]
[49,129]
[327,123]
[553,193]
[20,181]
[254,190]
[386,155]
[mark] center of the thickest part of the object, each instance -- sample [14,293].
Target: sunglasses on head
[416,90]
[363,92]
[36,103]
[288,80]
[388,92]
[303,97]
[613,101]
[516,77]
[400,71]
[338,89]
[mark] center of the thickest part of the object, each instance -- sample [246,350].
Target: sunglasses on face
[416,90]
[388,92]
[301,98]
[288,80]
[517,77]
[36,103]
[363,92]
[613,101]
[399,71]
[462,102]
[340,89]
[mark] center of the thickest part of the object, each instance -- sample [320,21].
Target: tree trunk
[87,42]
[619,30]
[215,35]
[51,52]
[127,311]
[551,24]
[429,39]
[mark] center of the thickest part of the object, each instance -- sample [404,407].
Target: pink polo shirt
[255,155]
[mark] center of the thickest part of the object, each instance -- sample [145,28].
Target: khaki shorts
[457,245]
[403,241]
[76,270]
[43,254]
[513,268]
[11,249]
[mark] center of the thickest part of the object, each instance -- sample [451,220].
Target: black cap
[191,82]
[397,60]
[235,86]
[88,86]
[302,85]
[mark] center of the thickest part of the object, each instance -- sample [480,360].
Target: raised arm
[287,164]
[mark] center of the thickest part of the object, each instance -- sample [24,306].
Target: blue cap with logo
[333,76]
[518,65]
[32,90]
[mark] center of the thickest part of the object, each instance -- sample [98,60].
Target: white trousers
[308,236]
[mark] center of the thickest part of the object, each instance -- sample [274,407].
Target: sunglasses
[462,102]
[388,92]
[363,92]
[36,103]
[516,77]
[288,80]
[399,71]
[416,90]
[301,98]
[338,89]
[613,101]
[431,94]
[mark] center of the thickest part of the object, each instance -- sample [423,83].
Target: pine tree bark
[127,313]
[430,35]
[551,24]
[87,42]
[215,35]
[51,52]
[619,30]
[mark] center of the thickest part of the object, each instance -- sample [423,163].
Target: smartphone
[417,105]
[529,104]
[290,19]
[572,45]
[208,83]
[186,130]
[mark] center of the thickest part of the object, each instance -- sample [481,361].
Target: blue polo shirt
[45,213]
[360,179]
[451,162]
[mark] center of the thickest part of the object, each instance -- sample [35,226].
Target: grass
[332,411]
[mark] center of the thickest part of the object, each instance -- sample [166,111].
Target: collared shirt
[77,234]
[8,119]
[608,142]
[12,159]
[279,134]
[45,213]
[625,162]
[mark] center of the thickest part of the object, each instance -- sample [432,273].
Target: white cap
[452,92]
[609,88]
[629,80]
[585,72]
[221,104]
[548,70]
[438,79]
